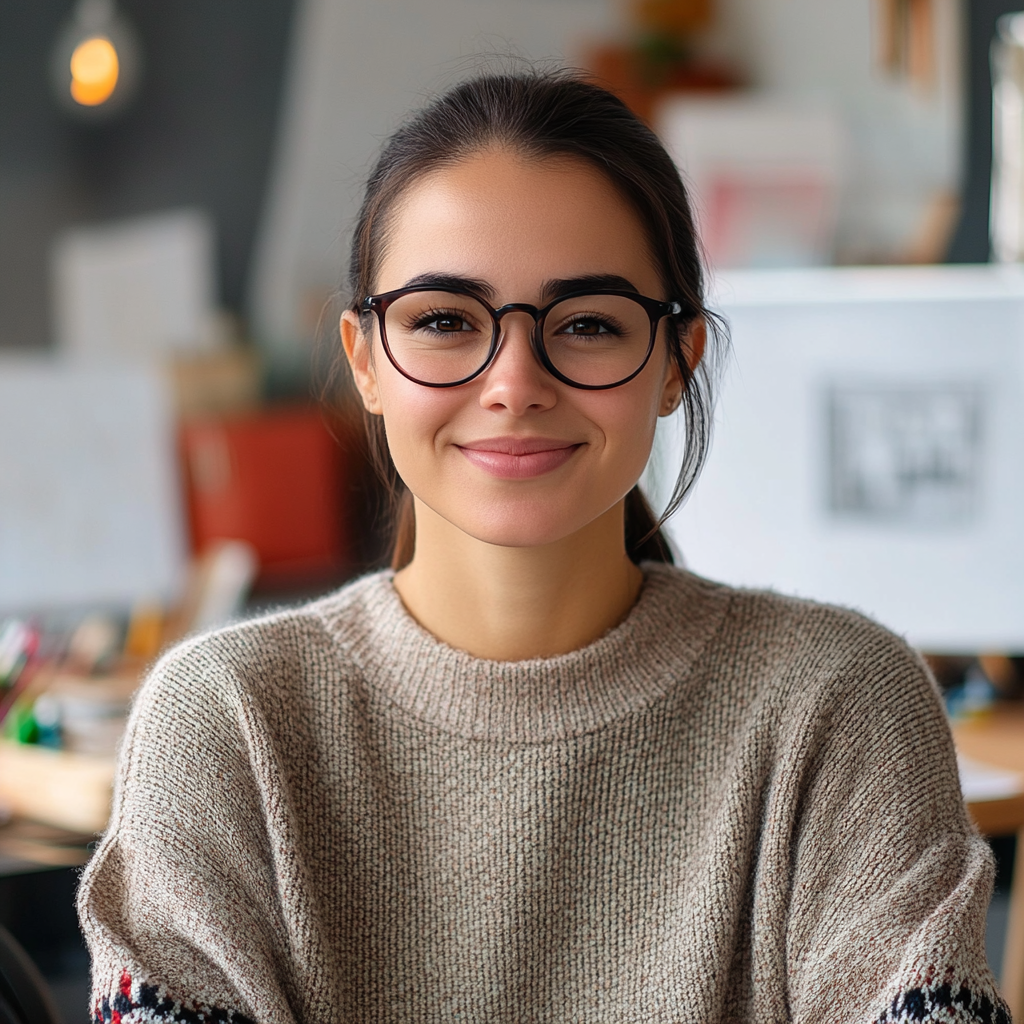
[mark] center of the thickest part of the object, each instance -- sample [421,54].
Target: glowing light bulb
[95,62]
[94,71]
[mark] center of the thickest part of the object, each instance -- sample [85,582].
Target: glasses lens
[438,337]
[597,339]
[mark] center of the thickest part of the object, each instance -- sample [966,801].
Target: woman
[536,773]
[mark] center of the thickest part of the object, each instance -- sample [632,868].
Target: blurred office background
[177,185]
[266,118]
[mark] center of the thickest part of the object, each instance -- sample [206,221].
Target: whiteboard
[869,448]
[90,505]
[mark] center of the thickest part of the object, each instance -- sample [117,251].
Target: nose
[516,381]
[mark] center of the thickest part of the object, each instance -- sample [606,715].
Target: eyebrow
[452,282]
[550,290]
[563,285]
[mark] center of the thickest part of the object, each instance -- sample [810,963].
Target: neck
[515,603]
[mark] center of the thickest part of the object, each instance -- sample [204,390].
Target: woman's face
[515,457]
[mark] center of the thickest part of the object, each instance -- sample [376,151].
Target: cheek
[627,418]
[413,415]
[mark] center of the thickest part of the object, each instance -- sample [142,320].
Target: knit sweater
[733,806]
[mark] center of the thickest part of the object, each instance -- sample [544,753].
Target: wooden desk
[998,740]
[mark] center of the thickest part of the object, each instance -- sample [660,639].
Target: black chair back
[24,998]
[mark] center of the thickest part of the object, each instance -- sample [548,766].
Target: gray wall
[200,133]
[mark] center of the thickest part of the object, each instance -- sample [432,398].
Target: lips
[519,458]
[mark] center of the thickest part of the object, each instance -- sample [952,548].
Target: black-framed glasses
[594,340]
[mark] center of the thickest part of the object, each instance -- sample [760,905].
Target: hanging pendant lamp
[96,62]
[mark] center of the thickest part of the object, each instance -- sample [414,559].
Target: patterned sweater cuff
[951,1002]
[136,1002]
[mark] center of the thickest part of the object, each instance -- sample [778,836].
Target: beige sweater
[732,807]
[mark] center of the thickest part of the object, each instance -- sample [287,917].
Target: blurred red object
[275,479]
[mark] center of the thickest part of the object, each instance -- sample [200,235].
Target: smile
[511,458]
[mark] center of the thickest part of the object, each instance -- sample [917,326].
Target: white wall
[358,66]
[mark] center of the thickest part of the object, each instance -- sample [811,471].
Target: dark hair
[544,114]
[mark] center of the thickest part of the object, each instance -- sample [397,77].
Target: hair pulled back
[542,114]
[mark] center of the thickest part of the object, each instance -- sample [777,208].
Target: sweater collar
[538,700]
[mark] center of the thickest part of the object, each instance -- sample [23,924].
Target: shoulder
[802,650]
[768,616]
[835,696]
[820,636]
[272,653]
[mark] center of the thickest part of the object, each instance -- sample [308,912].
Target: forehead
[515,222]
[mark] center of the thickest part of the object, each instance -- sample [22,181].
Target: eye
[444,322]
[585,326]
[590,325]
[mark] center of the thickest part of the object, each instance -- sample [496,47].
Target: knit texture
[734,806]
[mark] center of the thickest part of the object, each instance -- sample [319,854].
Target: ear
[671,388]
[695,341]
[359,349]
[693,350]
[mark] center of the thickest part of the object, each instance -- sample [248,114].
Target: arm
[179,905]
[890,881]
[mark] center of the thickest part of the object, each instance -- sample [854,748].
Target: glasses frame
[656,310]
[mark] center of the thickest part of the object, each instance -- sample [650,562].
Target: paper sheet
[90,505]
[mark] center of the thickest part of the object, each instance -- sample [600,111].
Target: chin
[517,538]
[513,526]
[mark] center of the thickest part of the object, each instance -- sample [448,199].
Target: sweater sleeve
[179,905]
[890,881]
